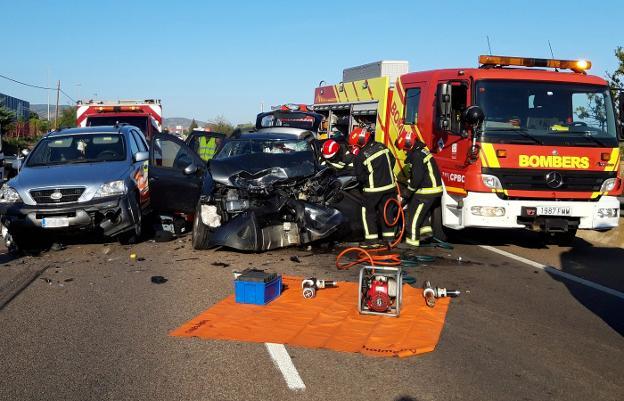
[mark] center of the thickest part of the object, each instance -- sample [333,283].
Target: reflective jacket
[374,167]
[207,148]
[425,176]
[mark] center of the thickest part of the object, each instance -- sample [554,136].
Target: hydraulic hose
[378,256]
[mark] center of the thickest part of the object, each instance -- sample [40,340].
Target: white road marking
[552,270]
[282,361]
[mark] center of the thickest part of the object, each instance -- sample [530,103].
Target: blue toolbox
[257,287]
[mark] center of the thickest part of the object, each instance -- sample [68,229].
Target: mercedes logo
[56,195]
[554,179]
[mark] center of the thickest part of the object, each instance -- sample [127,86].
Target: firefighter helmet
[406,141]
[359,136]
[330,148]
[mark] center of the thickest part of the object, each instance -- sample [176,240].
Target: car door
[175,175]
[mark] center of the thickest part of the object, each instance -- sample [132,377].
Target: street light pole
[58,92]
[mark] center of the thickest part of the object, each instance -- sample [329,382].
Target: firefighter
[373,165]
[207,147]
[336,155]
[424,184]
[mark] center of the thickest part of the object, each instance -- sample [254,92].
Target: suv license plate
[553,211]
[54,222]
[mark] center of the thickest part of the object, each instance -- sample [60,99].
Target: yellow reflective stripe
[427,158]
[428,191]
[338,165]
[434,182]
[410,188]
[413,237]
[425,230]
[389,234]
[482,156]
[379,189]
[412,242]
[367,234]
[490,155]
[375,155]
[612,164]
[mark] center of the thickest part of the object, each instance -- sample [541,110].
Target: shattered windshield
[70,149]
[547,113]
[244,147]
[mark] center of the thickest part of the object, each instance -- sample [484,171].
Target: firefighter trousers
[373,215]
[418,210]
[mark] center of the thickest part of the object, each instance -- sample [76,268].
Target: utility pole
[58,93]
[48,85]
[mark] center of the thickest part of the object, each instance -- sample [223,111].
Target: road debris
[158,279]
[220,264]
[295,259]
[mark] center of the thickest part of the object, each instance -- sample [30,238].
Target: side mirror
[190,169]
[473,116]
[444,106]
[140,156]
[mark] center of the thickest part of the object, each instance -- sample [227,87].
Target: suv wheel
[201,232]
[134,235]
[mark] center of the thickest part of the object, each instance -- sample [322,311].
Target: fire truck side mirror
[444,106]
[473,116]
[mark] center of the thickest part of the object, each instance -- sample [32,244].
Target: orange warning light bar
[104,109]
[574,65]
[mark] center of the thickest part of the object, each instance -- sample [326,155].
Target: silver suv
[80,179]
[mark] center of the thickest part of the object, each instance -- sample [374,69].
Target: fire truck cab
[545,157]
[144,114]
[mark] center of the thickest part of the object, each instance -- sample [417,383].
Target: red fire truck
[144,114]
[546,156]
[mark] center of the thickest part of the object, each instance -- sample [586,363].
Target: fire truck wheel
[439,231]
[200,230]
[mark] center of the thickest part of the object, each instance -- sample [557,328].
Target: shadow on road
[494,237]
[602,262]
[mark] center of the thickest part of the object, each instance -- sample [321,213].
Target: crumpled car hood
[264,168]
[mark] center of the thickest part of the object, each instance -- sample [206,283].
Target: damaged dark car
[263,190]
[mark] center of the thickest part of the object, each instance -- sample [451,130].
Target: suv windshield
[69,149]
[552,113]
[247,146]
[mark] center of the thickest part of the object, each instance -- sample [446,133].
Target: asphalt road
[92,326]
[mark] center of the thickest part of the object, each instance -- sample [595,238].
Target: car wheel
[200,230]
[29,244]
[133,236]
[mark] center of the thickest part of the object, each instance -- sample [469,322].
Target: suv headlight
[9,195]
[608,185]
[491,181]
[111,189]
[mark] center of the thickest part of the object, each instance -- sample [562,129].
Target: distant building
[20,107]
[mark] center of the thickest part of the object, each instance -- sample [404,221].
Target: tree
[6,117]
[192,126]
[222,125]
[67,118]
[616,79]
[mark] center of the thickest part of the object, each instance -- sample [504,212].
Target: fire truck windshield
[138,121]
[550,113]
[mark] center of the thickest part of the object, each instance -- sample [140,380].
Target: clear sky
[205,58]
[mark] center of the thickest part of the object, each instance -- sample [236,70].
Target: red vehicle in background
[144,114]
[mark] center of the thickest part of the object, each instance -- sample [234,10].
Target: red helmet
[406,141]
[359,137]
[330,148]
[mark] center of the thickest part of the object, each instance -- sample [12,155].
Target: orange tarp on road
[330,321]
